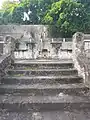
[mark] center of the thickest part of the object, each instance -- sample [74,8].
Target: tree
[65,17]
[83,1]
[68,17]
[7,11]
[87,6]
[17,15]
[9,6]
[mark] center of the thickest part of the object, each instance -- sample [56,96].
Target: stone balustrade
[5,61]
[81,55]
[55,47]
[13,34]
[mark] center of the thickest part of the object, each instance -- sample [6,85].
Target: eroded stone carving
[79,57]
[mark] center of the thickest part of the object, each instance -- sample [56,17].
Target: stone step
[44,89]
[43,64]
[41,79]
[6,115]
[42,72]
[46,115]
[43,61]
[36,103]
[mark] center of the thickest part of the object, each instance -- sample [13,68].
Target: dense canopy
[64,17]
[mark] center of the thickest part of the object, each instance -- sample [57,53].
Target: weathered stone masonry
[5,61]
[81,55]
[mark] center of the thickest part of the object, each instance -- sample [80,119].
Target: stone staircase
[32,87]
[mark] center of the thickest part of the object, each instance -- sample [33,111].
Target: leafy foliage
[68,17]
[64,17]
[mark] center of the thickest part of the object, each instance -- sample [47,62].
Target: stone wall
[18,30]
[5,61]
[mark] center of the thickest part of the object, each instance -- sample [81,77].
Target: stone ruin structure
[32,42]
[36,83]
